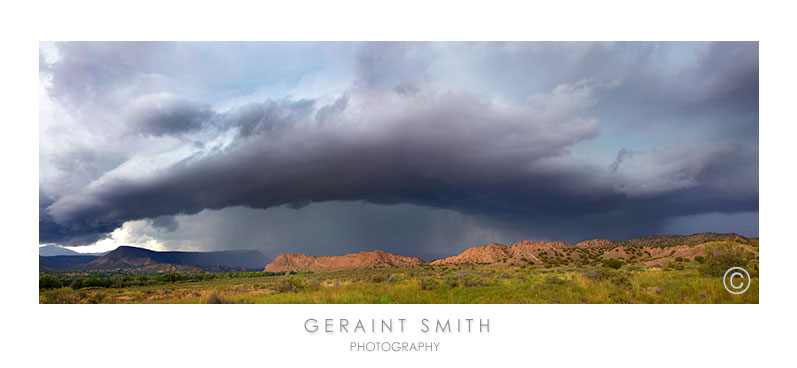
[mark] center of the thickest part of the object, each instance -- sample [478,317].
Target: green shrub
[469,279]
[721,257]
[554,280]
[377,278]
[451,282]
[678,266]
[393,278]
[679,259]
[58,296]
[700,259]
[620,279]
[95,281]
[95,298]
[289,284]
[612,263]
[215,298]
[754,269]
[597,274]
[48,281]
[428,283]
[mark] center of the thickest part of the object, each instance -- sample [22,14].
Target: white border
[528,335]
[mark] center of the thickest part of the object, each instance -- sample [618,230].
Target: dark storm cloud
[165,223]
[450,151]
[51,231]
[166,114]
[500,144]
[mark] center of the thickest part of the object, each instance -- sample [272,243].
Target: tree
[76,284]
[48,281]
[721,257]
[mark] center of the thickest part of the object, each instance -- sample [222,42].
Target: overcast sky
[419,149]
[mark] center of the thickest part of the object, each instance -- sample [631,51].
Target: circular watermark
[736,286]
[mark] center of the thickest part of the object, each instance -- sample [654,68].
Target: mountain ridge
[373,259]
[647,250]
[134,257]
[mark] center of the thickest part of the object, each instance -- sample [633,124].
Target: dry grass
[458,284]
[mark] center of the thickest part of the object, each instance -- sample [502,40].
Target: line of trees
[48,281]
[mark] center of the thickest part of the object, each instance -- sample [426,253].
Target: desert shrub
[633,268]
[428,283]
[721,257]
[753,269]
[554,280]
[289,284]
[620,279]
[312,285]
[473,281]
[215,298]
[700,259]
[393,278]
[468,279]
[612,263]
[58,296]
[95,298]
[377,278]
[679,259]
[48,281]
[597,274]
[451,282]
[673,266]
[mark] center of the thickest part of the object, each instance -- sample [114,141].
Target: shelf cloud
[553,140]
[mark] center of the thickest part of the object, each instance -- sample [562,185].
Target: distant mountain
[375,259]
[65,262]
[43,268]
[126,257]
[54,250]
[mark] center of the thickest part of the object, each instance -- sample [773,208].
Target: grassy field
[427,284]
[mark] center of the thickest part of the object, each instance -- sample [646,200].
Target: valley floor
[432,284]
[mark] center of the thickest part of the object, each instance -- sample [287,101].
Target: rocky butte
[375,259]
[654,250]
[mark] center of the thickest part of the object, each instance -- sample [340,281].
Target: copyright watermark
[738,279]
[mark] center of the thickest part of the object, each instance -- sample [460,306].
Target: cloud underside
[393,138]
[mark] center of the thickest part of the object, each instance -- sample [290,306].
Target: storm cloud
[552,140]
